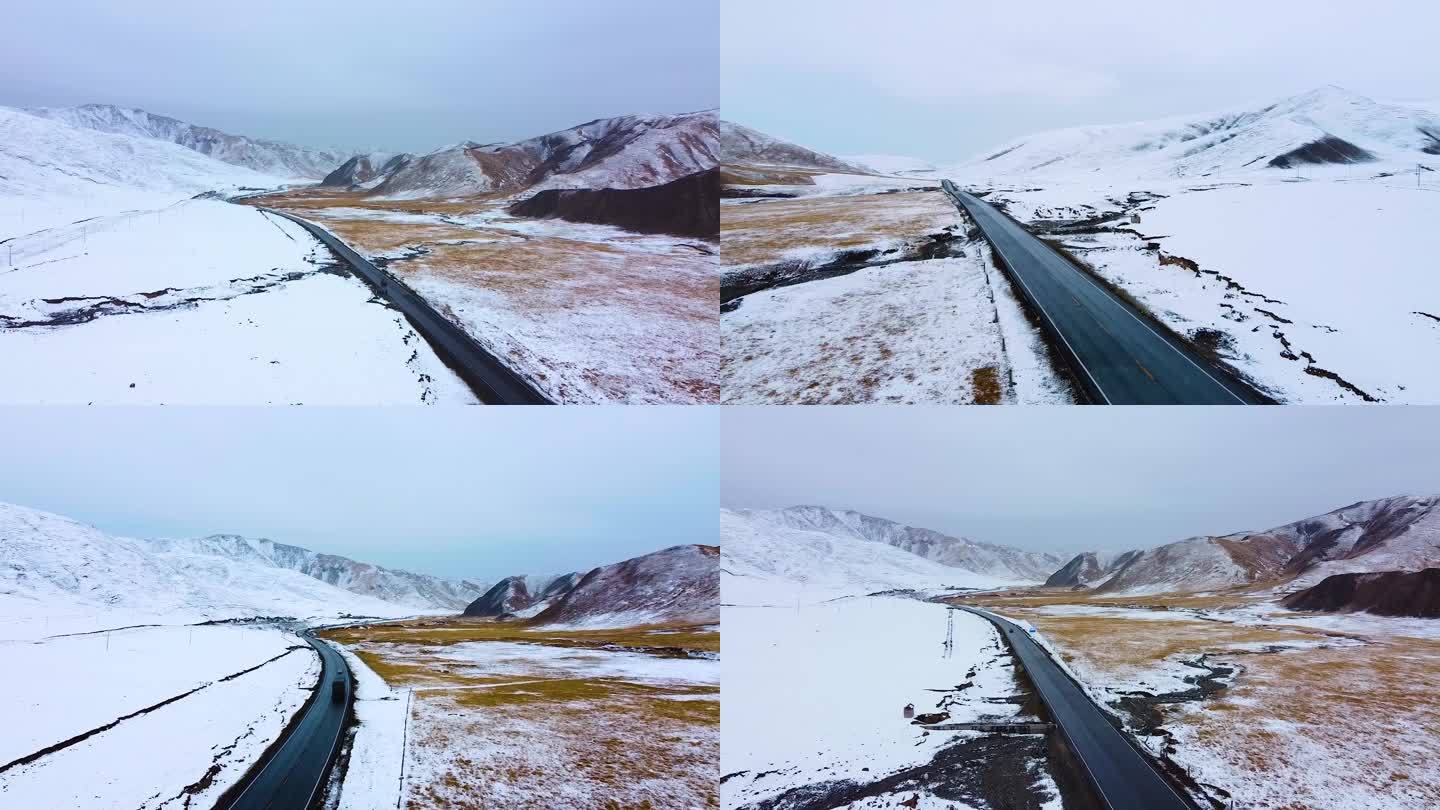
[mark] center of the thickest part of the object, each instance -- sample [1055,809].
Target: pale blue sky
[478,492]
[945,80]
[365,73]
[1071,479]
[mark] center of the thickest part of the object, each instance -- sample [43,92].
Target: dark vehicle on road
[337,688]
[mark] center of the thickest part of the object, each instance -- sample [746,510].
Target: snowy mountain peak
[742,145]
[677,585]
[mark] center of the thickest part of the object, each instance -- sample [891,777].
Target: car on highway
[337,687]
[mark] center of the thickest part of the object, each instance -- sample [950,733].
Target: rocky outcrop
[362,171]
[689,206]
[1386,593]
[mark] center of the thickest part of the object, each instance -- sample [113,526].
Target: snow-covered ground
[201,302]
[918,331]
[372,775]
[814,692]
[231,692]
[589,313]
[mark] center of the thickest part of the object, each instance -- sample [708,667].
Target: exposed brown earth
[1385,593]
[689,206]
[761,233]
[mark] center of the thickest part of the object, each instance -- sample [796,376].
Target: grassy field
[763,233]
[506,715]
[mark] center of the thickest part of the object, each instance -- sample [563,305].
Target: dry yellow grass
[590,314]
[547,739]
[760,233]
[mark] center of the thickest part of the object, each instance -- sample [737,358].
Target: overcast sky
[1072,479]
[479,492]
[366,74]
[946,80]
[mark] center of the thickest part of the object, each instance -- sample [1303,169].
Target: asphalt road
[491,380]
[1121,776]
[1119,357]
[295,773]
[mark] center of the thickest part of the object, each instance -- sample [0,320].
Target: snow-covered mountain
[421,591]
[364,171]
[677,585]
[42,158]
[51,564]
[631,151]
[1089,569]
[521,595]
[264,156]
[742,146]
[998,562]
[1324,126]
[760,546]
[1391,534]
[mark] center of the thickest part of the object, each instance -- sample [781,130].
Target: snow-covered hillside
[52,173]
[265,156]
[420,591]
[764,553]
[677,585]
[742,146]
[632,151]
[51,565]
[1392,534]
[522,596]
[1328,125]
[985,559]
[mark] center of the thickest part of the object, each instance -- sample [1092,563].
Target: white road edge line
[1172,346]
[1041,307]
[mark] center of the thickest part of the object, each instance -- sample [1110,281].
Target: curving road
[1118,356]
[1122,777]
[492,381]
[295,772]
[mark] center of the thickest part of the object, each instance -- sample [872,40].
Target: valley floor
[1262,707]
[588,313]
[96,698]
[199,302]
[485,714]
[814,691]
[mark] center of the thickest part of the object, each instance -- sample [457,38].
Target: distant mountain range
[388,584]
[51,564]
[264,156]
[1392,534]
[41,158]
[1329,125]
[677,585]
[846,549]
[626,152]
[999,562]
